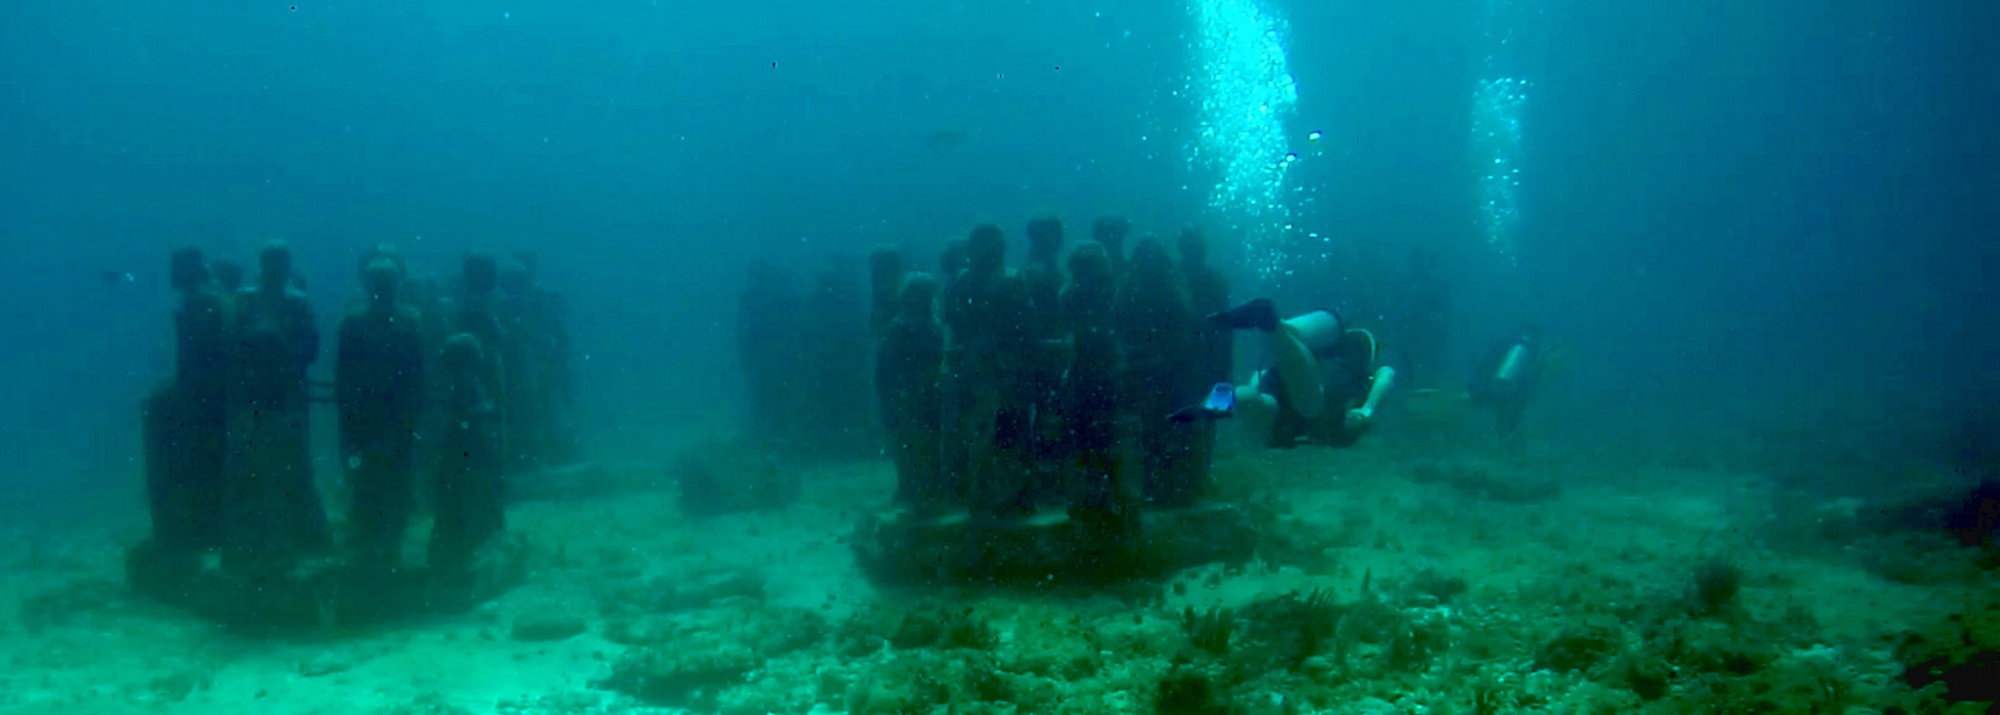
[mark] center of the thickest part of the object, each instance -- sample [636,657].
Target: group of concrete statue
[441,394]
[1005,390]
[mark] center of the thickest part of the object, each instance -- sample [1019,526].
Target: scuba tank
[1516,367]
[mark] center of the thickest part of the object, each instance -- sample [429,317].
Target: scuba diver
[1507,377]
[1326,382]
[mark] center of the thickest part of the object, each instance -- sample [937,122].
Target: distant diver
[1507,377]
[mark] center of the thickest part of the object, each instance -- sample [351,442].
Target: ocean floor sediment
[1387,581]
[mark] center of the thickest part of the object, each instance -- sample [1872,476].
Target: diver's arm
[1385,380]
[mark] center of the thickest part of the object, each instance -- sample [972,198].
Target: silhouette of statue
[987,312]
[468,498]
[379,387]
[271,506]
[909,369]
[1158,331]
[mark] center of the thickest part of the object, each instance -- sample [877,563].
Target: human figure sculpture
[909,369]
[988,313]
[885,286]
[380,395]
[1210,363]
[1090,385]
[467,487]
[1110,232]
[954,462]
[1042,369]
[477,312]
[1158,334]
[272,510]
[186,420]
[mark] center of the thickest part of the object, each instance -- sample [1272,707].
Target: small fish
[118,278]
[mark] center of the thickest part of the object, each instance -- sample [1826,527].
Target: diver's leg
[1256,411]
[1259,314]
[1298,372]
[1508,415]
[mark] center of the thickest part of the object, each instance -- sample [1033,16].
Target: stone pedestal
[1048,548]
[323,593]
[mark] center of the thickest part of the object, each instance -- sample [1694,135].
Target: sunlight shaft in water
[1243,93]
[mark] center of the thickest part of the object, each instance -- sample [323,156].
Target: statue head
[952,260]
[1193,246]
[1045,239]
[481,272]
[381,251]
[917,300]
[382,277]
[986,249]
[462,352]
[1150,260]
[186,269]
[274,266]
[1089,264]
[885,262]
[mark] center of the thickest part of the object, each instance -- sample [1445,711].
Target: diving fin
[1220,404]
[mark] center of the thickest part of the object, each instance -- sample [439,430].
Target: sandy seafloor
[1465,586]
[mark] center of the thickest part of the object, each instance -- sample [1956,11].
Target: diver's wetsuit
[1347,372]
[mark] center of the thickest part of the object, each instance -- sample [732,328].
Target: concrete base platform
[324,593]
[1048,548]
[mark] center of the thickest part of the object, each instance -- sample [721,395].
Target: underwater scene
[999,357]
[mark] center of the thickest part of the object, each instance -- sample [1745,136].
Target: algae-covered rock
[1648,676]
[1281,633]
[1580,647]
[1187,691]
[1962,653]
[689,660]
[1716,584]
[946,628]
[1712,647]
[680,677]
[770,632]
[426,704]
